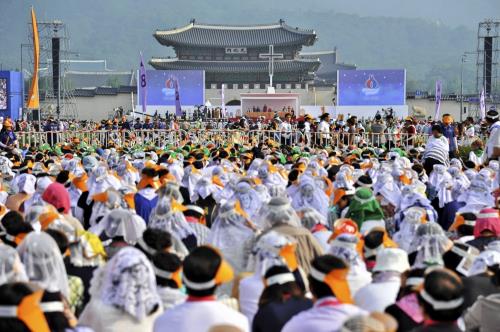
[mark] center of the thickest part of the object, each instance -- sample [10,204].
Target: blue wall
[14,94]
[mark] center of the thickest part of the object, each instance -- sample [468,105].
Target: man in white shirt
[286,130]
[204,270]
[493,143]
[324,128]
[332,306]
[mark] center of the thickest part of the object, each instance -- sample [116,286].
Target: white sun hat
[392,259]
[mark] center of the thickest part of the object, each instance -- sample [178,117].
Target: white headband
[198,285]
[320,276]
[162,274]
[414,281]
[54,306]
[280,279]
[441,305]
[145,247]
[10,311]
[363,201]
[487,215]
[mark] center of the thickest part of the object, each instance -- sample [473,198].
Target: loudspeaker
[35,115]
[488,66]
[55,65]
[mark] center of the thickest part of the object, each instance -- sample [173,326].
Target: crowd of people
[275,235]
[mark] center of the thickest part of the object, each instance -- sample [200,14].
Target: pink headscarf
[487,219]
[57,195]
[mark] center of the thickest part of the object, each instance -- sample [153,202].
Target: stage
[254,104]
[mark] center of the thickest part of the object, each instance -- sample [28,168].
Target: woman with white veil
[44,263]
[249,199]
[309,194]
[168,216]
[121,227]
[11,268]
[345,246]
[230,230]
[279,216]
[123,295]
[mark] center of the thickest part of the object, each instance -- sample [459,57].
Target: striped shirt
[438,149]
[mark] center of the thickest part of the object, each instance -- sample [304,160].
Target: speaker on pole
[56,69]
[488,64]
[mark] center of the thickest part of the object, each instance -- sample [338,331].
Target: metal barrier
[219,137]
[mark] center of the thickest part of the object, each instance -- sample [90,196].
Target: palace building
[235,54]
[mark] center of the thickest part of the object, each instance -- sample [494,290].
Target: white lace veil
[310,195]
[120,222]
[162,217]
[229,233]
[278,211]
[129,283]
[44,263]
[266,252]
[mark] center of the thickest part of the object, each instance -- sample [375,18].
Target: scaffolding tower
[488,55]
[49,98]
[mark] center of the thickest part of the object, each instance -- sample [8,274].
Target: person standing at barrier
[409,131]
[450,132]
[51,127]
[124,124]
[391,131]
[324,128]
[286,130]
[307,128]
[377,129]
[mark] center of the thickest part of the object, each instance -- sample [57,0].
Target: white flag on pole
[438,101]
[482,104]
[223,103]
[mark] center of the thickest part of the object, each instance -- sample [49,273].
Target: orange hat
[336,279]
[28,312]
[341,192]
[153,182]
[344,226]
[223,275]
[174,276]
[81,182]
[288,254]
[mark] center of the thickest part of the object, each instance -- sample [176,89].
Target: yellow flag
[33,97]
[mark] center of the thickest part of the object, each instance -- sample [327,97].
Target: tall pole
[22,78]
[462,85]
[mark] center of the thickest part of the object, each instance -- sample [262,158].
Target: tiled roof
[84,92]
[310,65]
[103,91]
[205,35]
[106,91]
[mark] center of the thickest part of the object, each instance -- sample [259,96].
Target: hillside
[117,30]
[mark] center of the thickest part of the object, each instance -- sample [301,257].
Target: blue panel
[371,87]
[10,94]
[161,91]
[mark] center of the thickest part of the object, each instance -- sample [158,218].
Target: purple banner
[143,85]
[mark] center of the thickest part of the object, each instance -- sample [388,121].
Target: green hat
[364,206]
[57,150]
[44,147]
